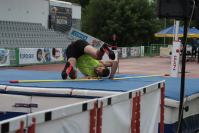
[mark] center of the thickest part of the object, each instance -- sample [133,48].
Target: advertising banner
[56,54]
[4,57]
[124,52]
[135,51]
[60,15]
[30,55]
[119,49]
[39,55]
[76,34]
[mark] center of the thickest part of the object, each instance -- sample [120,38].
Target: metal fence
[153,49]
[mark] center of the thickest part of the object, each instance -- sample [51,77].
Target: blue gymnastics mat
[172,84]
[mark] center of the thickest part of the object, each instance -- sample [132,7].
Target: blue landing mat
[172,84]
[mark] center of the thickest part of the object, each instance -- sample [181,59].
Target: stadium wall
[32,11]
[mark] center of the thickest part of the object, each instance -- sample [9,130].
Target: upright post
[182,84]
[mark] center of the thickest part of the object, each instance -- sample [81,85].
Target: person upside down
[88,60]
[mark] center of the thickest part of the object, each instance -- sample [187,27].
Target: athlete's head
[102,71]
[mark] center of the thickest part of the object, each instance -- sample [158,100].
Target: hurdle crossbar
[81,80]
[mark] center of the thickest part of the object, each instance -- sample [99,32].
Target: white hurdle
[140,111]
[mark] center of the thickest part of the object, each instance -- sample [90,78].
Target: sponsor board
[134,51]
[56,54]
[76,34]
[4,57]
[124,52]
[39,55]
[60,15]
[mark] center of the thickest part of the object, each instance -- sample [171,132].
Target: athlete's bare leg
[69,69]
[72,61]
[95,53]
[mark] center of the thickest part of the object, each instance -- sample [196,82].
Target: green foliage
[133,21]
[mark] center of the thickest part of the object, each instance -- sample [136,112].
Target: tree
[133,21]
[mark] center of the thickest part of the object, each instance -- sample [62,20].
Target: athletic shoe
[68,71]
[64,75]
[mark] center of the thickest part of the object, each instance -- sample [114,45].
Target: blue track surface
[172,84]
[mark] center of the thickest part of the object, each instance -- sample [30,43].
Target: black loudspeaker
[178,9]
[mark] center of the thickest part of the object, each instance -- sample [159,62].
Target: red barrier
[21,129]
[99,118]
[31,129]
[93,116]
[135,121]
[162,109]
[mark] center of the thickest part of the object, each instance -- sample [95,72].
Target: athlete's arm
[113,65]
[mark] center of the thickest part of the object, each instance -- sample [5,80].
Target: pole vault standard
[175,58]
